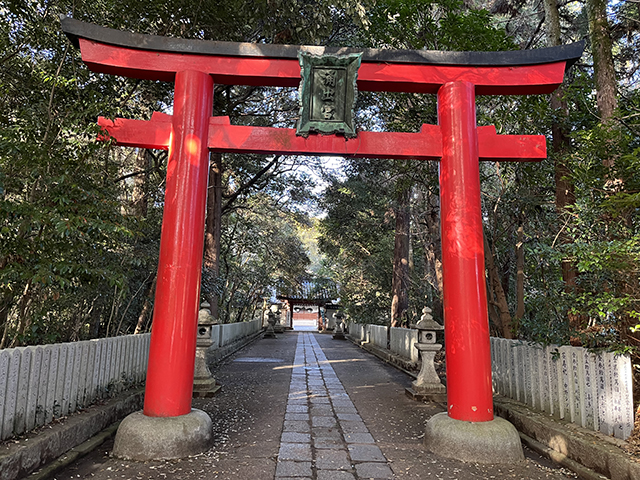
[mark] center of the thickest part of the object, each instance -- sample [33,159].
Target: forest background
[80,219]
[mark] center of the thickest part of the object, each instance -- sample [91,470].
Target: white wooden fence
[592,390]
[228,333]
[401,340]
[38,384]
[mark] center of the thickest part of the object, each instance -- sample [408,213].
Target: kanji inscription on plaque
[327,94]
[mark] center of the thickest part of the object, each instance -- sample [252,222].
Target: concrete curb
[75,453]
[21,457]
[591,455]
[583,472]
[592,450]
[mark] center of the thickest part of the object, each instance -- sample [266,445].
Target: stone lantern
[428,385]
[278,327]
[271,320]
[338,332]
[204,384]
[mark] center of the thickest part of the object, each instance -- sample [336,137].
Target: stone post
[338,332]
[271,319]
[278,327]
[204,384]
[428,385]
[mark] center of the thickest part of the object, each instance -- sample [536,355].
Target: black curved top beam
[75,29]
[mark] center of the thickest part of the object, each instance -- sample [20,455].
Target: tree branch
[247,186]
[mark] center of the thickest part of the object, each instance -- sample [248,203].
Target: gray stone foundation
[496,441]
[145,438]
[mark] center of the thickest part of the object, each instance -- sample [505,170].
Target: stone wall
[38,384]
[571,383]
[402,343]
[358,331]
[378,335]
[230,332]
[41,383]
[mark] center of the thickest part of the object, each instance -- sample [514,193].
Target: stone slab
[293,469]
[353,427]
[327,442]
[358,438]
[332,459]
[374,470]
[207,392]
[318,421]
[300,417]
[425,397]
[296,426]
[349,417]
[295,437]
[366,453]
[295,451]
[334,475]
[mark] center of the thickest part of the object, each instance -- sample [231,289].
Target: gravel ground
[249,410]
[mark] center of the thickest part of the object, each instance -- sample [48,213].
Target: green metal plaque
[328,93]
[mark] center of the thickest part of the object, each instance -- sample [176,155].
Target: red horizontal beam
[425,145]
[257,71]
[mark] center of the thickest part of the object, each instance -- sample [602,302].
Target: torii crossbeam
[191,133]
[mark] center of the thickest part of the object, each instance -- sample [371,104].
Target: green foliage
[357,237]
[62,234]
[77,257]
[433,24]
[261,252]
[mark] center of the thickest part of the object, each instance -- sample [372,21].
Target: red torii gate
[191,133]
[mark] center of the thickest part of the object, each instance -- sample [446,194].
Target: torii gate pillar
[468,430]
[168,427]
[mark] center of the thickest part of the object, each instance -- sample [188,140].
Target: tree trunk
[565,191]
[430,238]
[5,308]
[519,277]
[213,226]
[400,283]
[146,306]
[605,76]
[500,298]
[139,193]
[24,319]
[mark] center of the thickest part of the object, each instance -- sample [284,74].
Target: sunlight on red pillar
[173,336]
[469,393]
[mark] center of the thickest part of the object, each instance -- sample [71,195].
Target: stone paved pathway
[323,436]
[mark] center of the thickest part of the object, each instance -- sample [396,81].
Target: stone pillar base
[205,387]
[269,334]
[424,396]
[496,441]
[145,438]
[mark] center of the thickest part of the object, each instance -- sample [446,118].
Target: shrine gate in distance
[191,133]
